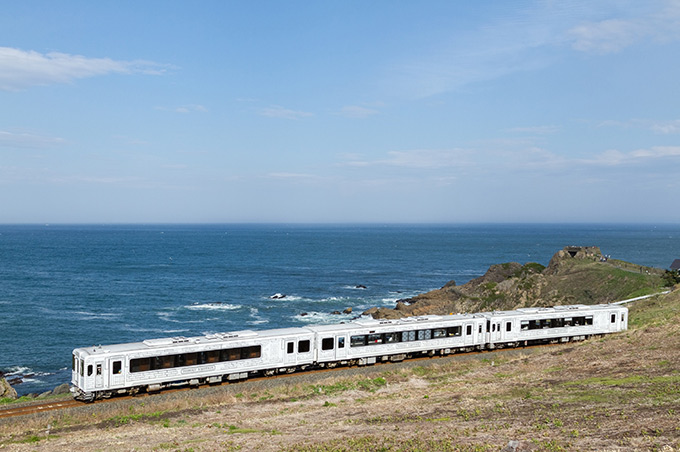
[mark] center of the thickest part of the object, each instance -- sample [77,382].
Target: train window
[408,336]
[291,347]
[341,342]
[374,339]
[230,354]
[524,325]
[493,328]
[568,321]
[623,318]
[613,318]
[166,362]
[99,369]
[73,363]
[357,341]
[140,364]
[251,352]
[424,335]
[89,370]
[391,337]
[508,326]
[439,332]
[117,367]
[468,330]
[480,328]
[303,346]
[213,356]
[191,359]
[589,320]
[180,360]
[455,331]
[327,343]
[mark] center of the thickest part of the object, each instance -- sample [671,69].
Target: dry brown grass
[618,393]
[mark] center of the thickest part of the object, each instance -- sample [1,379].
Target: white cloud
[21,69]
[614,157]
[606,36]
[357,111]
[536,130]
[277,111]
[645,21]
[191,108]
[27,140]
[415,159]
[666,127]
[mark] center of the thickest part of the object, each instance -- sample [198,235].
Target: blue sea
[67,286]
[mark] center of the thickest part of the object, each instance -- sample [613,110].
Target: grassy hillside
[580,279]
[617,393]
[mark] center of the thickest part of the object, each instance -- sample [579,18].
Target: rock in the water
[347,311]
[7,391]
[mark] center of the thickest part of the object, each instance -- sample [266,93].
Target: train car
[527,326]
[155,364]
[394,340]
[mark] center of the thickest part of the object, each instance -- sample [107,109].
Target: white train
[154,364]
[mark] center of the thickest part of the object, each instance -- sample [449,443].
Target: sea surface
[68,286]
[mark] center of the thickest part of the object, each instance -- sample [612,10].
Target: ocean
[68,286]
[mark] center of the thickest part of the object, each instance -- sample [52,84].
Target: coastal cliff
[575,275]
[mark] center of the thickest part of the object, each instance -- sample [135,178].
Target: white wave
[86,315]
[25,373]
[334,299]
[166,317]
[257,319]
[323,317]
[283,297]
[355,287]
[214,306]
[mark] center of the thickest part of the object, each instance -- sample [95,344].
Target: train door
[116,371]
[493,332]
[469,333]
[340,351]
[99,374]
[326,349]
[88,372]
[289,355]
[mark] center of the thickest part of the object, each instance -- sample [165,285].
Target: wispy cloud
[276,111]
[536,130]
[614,157]
[661,127]
[530,36]
[614,34]
[21,69]
[191,108]
[414,159]
[294,176]
[357,111]
[27,140]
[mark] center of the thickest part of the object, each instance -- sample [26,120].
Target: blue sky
[352,111]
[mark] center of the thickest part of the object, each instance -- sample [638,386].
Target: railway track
[13,411]
[37,408]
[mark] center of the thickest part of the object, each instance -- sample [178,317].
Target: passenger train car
[155,364]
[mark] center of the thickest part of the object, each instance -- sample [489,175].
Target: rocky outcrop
[6,391]
[574,275]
